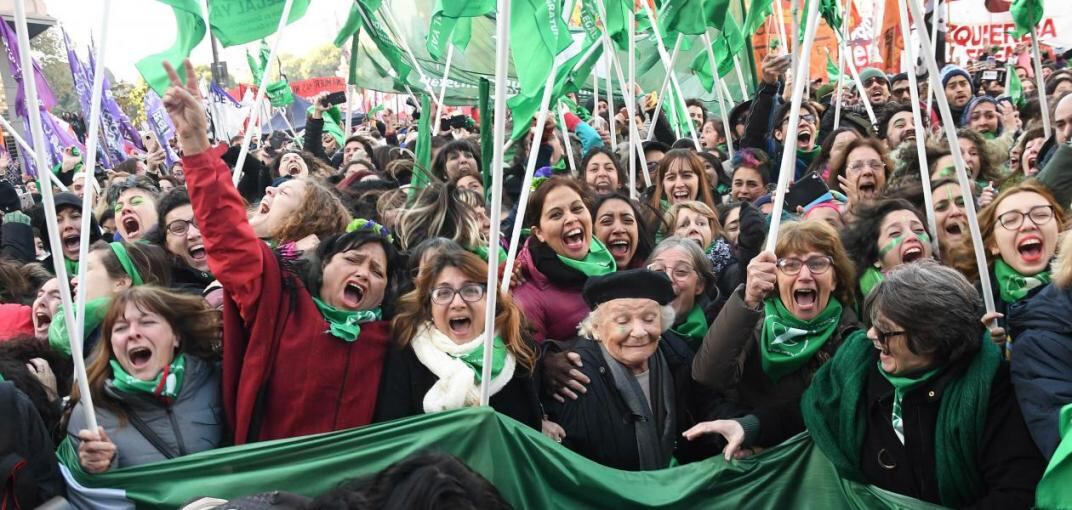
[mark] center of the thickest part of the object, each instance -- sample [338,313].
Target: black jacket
[29,473]
[313,144]
[1042,361]
[406,380]
[189,280]
[17,242]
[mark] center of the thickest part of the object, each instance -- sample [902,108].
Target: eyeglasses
[1039,215]
[804,117]
[678,272]
[816,265]
[871,81]
[859,166]
[885,336]
[469,294]
[180,227]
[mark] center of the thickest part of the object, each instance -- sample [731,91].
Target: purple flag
[109,147]
[44,93]
[160,123]
[110,109]
[57,137]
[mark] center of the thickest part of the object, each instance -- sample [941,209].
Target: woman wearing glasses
[793,312]
[861,173]
[690,275]
[438,358]
[885,235]
[178,234]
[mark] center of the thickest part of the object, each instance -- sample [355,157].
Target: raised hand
[184,105]
[761,279]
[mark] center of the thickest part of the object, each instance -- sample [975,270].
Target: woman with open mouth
[294,164]
[790,316]
[301,209]
[680,177]
[885,235]
[949,217]
[179,235]
[135,208]
[619,224]
[603,172]
[694,220]
[437,361]
[861,174]
[154,382]
[690,276]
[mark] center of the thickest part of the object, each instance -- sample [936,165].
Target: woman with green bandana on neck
[437,358]
[110,268]
[690,275]
[885,235]
[921,405]
[788,319]
[155,382]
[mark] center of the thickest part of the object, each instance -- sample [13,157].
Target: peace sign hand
[183,104]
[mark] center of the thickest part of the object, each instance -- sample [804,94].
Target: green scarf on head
[598,262]
[346,324]
[835,413]
[1015,286]
[902,385]
[788,343]
[482,251]
[475,359]
[694,328]
[57,331]
[71,265]
[869,280]
[167,384]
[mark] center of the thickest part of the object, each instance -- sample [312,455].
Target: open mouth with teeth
[197,253]
[806,299]
[132,226]
[619,248]
[574,239]
[139,356]
[461,326]
[1030,249]
[294,168]
[954,228]
[804,139]
[264,207]
[352,295]
[1032,165]
[681,194]
[911,253]
[70,243]
[868,188]
[43,321]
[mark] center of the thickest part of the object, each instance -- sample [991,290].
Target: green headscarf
[869,280]
[57,331]
[346,324]
[482,251]
[167,384]
[694,328]
[598,262]
[1015,286]
[788,343]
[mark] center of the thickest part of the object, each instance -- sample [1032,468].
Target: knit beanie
[950,70]
[870,72]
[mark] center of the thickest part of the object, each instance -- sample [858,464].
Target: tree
[321,61]
[131,99]
[50,52]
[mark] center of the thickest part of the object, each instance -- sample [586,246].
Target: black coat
[189,280]
[29,473]
[1042,361]
[406,380]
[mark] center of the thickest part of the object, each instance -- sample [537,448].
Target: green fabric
[355,47]
[423,170]
[808,155]
[280,95]
[475,359]
[682,17]
[901,386]
[758,11]
[787,343]
[828,10]
[71,265]
[1013,87]
[57,331]
[537,35]
[346,324]
[1015,286]
[397,69]
[835,415]
[166,384]
[598,262]
[1026,14]
[570,77]
[487,117]
[482,251]
[333,124]
[1054,491]
[260,63]
[237,22]
[871,278]
[694,328]
[833,72]
[730,41]
[528,469]
[120,251]
[190,29]
[450,19]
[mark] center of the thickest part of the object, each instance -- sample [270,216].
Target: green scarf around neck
[1015,286]
[901,386]
[57,331]
[71,265]
[869,280]
[808,156]
[167,384]
[346,324]
[835,413]
[598,262]
[788,343]
[482,251]
[475,359]
[694,328]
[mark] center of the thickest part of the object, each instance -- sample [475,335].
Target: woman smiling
[680,177]
[885,235]
[621,227]
[690,276]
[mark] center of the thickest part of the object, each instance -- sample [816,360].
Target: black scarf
[655,431]
[547,262]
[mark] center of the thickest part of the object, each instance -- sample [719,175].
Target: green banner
[530,471]
[241,21]
[190,29]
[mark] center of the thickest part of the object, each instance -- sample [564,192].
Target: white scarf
[456,387]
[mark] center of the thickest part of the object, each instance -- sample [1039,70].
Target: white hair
[587,326]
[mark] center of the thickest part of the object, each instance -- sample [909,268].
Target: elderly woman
[634,409]
[602,171]
[921,405]
[691,276]
[620,226]
[790,317]
[885,235]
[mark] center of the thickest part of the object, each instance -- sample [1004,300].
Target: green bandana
[988,135]
[598,262]
[871,278]
[787,343]
[475,359]
[902,385]
[482,251]
[166,384]
[346,324]
[71,265]
[57,331]
[694,328]
[120,251]
[1015,286]
[896,241]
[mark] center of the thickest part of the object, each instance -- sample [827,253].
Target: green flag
[537,35]
[280,95]
[423,168]
[729,42]
[332,122]
[1026,14]
[486,135]
[241,21]
[617,22]
[715,12]
[363,14]
[259,64]
[682,17]
[355,48]
[828,10]
[1013,88]
[758,10]
[1053,490]
[190,29]
[451,23]
[524,108]
[832,70]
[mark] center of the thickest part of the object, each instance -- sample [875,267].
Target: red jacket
[551,310]
[15,320]
[283,374]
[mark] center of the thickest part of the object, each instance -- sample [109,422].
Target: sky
[138,28]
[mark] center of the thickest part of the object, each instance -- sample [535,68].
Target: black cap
[632,283]
[9,198]
[67,199]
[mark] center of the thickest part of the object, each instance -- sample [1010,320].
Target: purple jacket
[551,310]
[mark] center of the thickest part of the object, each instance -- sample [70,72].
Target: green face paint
[948,171]
[896,241]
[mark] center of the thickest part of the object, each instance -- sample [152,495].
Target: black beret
[632,283]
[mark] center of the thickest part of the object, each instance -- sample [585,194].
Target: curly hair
[861,238]
[320,213]
[317,167]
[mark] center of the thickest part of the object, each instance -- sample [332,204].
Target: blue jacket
[1042,361]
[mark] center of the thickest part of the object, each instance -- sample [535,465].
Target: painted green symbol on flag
[1026,14]
[242,21]
[190,29]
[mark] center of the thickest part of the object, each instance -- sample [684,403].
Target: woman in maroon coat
[304,346]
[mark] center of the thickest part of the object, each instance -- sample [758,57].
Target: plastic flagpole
[917,117]
[630,86]
[740,77]
[841,65]
[662,92]
[630,104]
[958,159]
[566,139]
[780,14]
[794,13]
[349,113]
[37,134]
[26,147]
[1040,84]
[608,49]
[261,91]
[442,90]
[670,70]
[842,46]
[721,97]
[726,91]
[789,156]
[392,25]
[934,37]
[502,49]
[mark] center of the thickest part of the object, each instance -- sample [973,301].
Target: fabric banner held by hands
[160,123]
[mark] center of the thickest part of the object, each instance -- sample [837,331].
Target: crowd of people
[339,283]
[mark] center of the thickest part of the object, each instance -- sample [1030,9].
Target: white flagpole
[934,37]
[261,91]
[629,92]
[630,103]
[662,92]
[789,156]
[611,112]
[1040,84]
[726,91]
[958,159]
[349,113]
[740,77]
[392,25]
[917,117]
[29,83]
[780,14]
[29,150]
[670,70]
[721,97]
[842,46]
[566,140]
[841,64]
[502,49]
[442,90]
[794,13]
